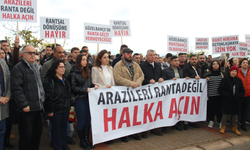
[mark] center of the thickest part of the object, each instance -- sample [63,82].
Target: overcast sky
[150,21]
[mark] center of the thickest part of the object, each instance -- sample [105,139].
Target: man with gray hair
[28,93]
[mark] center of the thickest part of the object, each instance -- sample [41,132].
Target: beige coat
[123,77]
[98,77]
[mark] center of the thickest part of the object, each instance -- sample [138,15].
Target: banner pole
[55,43]
[121,41]
[97,48]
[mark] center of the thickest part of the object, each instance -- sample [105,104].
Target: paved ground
[202,138]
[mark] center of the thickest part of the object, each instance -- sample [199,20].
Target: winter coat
[188,71]
[168,73]
[57,94]
[151,72]
[24,86]
[79,86]
[230,102]
[245,81]
[4,109]
[123,77]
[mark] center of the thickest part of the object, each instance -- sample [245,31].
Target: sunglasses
[30,53]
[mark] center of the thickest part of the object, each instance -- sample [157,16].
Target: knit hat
[234,68]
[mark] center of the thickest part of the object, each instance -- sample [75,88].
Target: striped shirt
[213,85]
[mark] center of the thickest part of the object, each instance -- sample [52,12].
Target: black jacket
[204,69]
[151,72]
[116,60]
[230,102]
[24,87]
[169,74]
[79,86]
[45,59]
[57,94]
[188,71]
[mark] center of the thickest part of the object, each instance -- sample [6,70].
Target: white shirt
[153,64]
[107,75]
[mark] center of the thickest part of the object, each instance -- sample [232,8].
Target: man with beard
[192,70]
[74,53]
[182,59]
[117,59]
[209,59]
[128,73]
[48,55]
[136,58]
[203,64]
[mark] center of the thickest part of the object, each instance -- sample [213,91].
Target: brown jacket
[123,77]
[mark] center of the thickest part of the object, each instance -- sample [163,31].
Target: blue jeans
[2,132]
[50,127]
[82,114]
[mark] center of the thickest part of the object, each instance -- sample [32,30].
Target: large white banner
[178,44]
[54,28]
[201,43]
[97,33]
[225,44]
[120,111]
[18,10]
[120,27]
[241,52]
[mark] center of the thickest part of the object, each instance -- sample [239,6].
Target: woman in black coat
[231,91]
[80,81]
[57,103]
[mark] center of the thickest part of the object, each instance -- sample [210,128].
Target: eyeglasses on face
[30,53]
[37,60]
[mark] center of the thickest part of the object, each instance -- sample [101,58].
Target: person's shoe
[7,144]
[70,141]
[164,129]
[177,127]
[136,137]
[66,148]
[235,130]
[109,142]
[247,122]
[194,125]
[51,144]
[244,128]
[144,135]
[86,137]
[228,122]
[220,126]
[156,132]
[223,128]
[185,127]
[211,124]
[124,139]
[82,144]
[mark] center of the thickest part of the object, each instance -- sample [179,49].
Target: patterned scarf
[130,67]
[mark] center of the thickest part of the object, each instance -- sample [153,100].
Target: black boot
[86,137]
[83,144]
[7,144]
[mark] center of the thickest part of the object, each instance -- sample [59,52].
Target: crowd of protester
[37,87]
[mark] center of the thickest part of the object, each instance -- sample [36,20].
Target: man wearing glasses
[28,93]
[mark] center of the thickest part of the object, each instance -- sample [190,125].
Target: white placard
[120,28]
[178,44]
[54,28]
[247,36]
[18,10]
[225,44]
[201,43]
[97,33]
[242,51]
[120,111]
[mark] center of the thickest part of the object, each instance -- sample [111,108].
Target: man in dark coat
[192,70]
[152,74]
[48,55]
[203,64]
[117,59]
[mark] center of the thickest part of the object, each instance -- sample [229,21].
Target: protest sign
[120,28]
[54,28]
[178,44]
[97,33]
[201,43]
[18,10]
[247,36]
[121,111]
[225,44]
[241,52]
